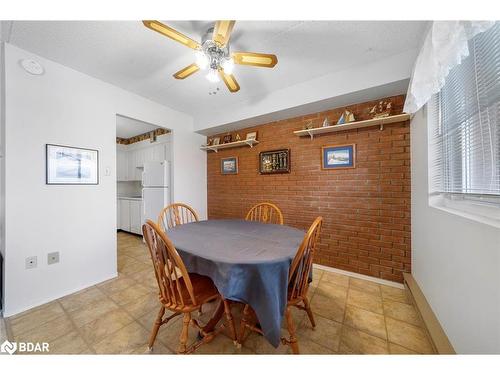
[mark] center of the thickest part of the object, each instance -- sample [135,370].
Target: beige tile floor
[353,316]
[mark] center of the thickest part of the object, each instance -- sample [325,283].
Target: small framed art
[252,136]
[71,165]
[338,157]
[272,162]
[229,165]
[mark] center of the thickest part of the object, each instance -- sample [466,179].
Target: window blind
[465,138]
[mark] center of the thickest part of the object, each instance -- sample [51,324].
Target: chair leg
[243,324]
[230,322]
[309,312]
[184,333]
[291,329]
[156,327]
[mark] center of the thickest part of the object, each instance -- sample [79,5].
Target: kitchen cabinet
[130,160]
[130,211]
[121,165]
[124,214]
[118,214]
[135,162]
[136,217]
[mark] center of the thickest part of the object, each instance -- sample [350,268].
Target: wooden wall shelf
[245,142]
[353,125]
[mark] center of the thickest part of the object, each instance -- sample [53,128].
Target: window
[465,125]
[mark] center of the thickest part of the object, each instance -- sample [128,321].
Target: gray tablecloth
[247,261]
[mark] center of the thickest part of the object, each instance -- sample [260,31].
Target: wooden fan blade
[171,33]
[263,60]
[222,32]
[187,71]
[230,81]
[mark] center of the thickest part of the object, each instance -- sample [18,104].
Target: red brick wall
[366,210]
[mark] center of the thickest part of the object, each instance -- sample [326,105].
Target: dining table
[248,261]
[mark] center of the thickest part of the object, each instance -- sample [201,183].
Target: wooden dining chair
[298,285]
[179,291]
[176,214]
[267,213]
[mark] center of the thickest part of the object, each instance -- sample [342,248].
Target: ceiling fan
[213,53]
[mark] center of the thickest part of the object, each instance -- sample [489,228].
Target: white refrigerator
[155,189]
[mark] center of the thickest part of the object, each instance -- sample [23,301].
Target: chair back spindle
[267,213]
[176,214]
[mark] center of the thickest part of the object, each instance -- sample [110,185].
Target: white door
[153,200]
[135,217]
[125,215]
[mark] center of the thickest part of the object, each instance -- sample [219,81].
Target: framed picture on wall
[252,136]
[71,165]
[276,161]
[229,165]
[338,157]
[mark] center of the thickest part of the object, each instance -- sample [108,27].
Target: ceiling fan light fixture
[213,76]
[228,65]
[213,53]
[201,60]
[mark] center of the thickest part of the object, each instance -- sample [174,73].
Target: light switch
[107,171]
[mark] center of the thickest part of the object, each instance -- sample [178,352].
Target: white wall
[309,94]
[455,261]
[66,107]
[2,151]
[2,168]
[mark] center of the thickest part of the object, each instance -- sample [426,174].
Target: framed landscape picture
[338,157]
[71,165]
[229,165]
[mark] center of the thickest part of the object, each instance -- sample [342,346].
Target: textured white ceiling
[127,127]
[128,55]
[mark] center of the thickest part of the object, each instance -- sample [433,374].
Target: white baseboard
[359,276]
[435,331]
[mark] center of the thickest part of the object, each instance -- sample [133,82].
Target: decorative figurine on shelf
[237,138]
[209,142]
[308,125]
[326,123]
[227,138]
[382,109]
[346,117]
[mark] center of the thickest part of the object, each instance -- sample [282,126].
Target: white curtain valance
[445,45]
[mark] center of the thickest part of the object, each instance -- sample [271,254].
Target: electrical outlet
[53,257]
[31,262]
